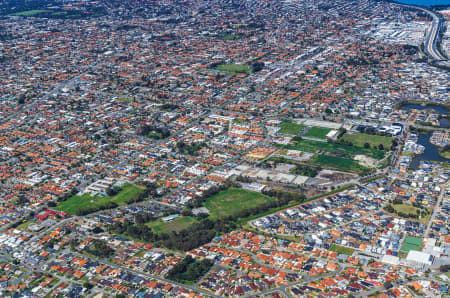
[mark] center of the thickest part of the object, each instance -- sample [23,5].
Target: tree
[21,99]
[73,243]
[366,145]
[99,248]
[186,212]
[381,147]
[97,230]
[257,66]
[88,285]
[112,191]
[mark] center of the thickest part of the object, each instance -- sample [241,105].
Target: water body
[425,2]
[431,152]
[444,122]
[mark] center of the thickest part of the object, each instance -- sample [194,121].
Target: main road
[432,36]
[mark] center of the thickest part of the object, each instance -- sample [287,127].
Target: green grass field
[409,209]
[318,132]
[444,154]
[342,249]
[412,243]
[124,99]
[176,225]
[359,139]
[24,225]
[339,163]
[29,13]
[229,37]
[74,203]
[234,68]
[348,151]
[291,128]
[233,200]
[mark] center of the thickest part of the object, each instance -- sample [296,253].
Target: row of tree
[92,209]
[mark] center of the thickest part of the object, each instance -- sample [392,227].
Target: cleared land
[410,210]
[412,243]
[72,204]
[359,139]
[344,150]
[234,68]
[342,249]
[291,128]
[123,99]
[159,226]
[24,225]
[229,37]
[29,13]
[233,200]
[318,132]
[339,163]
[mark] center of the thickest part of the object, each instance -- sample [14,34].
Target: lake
[425,2]
[431,152]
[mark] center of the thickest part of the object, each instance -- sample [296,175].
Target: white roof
[419,257]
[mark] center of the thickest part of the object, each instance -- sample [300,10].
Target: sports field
[412,243]
[317,132]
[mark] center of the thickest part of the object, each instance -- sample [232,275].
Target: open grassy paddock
[234,68]
[411,210]
[230,37]
[233,200]
[72,204]
[344,150]
[291,128]
[25,224]
[342,249]
[29,13]
[159,226]
[359,139]
[339,163]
